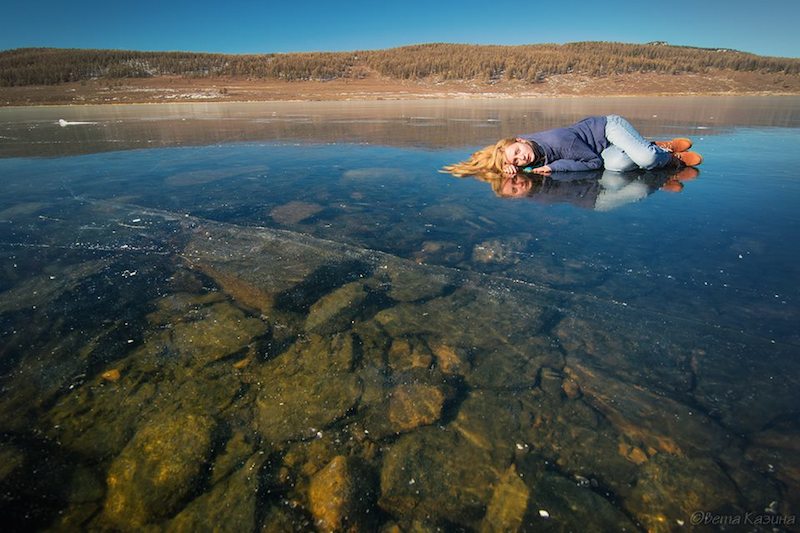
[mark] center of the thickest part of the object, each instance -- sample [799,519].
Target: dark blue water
[663,296]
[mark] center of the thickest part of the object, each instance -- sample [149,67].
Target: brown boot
[678,144]
[688,159]
[686,174]
[672,186]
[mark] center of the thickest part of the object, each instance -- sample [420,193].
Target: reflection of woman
[600,190]
[609,142]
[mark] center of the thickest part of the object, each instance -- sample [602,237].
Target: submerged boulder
[307,387]
[231,504]
[339,496]
[434,474]
[670,489]
[406,354]
[509,504]
[656,420]
[561,504]
[415,405]
[507,354]
[336,310]
[215,332]
[415,284]
[157,470]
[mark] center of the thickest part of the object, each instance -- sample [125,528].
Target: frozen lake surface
[282,317]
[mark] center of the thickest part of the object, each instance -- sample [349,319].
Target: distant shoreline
[175,89]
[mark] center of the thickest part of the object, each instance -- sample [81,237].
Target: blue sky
[766,27]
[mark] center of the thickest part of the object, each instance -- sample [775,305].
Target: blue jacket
[576,147]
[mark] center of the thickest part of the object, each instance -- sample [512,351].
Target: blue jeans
[628,150]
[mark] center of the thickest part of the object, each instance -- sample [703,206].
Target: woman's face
[519,153]
[515,186]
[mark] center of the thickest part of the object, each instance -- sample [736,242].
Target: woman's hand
[509,170]
[542,170]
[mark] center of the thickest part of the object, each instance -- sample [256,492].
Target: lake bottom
[165,371]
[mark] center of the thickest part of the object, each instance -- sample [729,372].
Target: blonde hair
[486,160]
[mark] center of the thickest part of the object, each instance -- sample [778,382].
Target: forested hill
[531,63]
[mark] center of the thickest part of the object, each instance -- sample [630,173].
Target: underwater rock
[40,290]
[571,435]
[307,387]
[112,375]
[509,354]
[75,517]
[215,332]
[777,452]
[283,517]
[513,363]
[748,385]
[374,343]
[172,371]
[378,174]
[405,354]
[98,421]
[294,212]
[256,267]
[303,459]
[637,351]
[500,252]
[571,388]
[449,359]
[85,486]
[655,420]
[434,474]
[415,405]
[236,452]
[490,420]
[411,285]
[508,506]
[550,381]
[671,488]
[11,458]
[182,306]
[399,401]
[247,294]
[338,496]
[559,504]
[231,504]
[157,470]
[755,482]
[632,453]
[336,310]
[440,253]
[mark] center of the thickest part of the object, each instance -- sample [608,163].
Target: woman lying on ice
[609,142]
